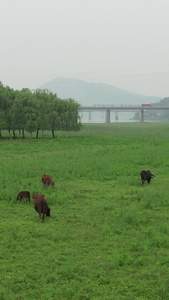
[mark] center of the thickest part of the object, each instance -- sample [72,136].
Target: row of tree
[36,110]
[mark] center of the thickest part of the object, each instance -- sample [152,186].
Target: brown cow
[47,180]
[23,194]
[41,205]
[36,196]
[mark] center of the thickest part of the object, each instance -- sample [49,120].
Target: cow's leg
[43,211]
[40,211]
[39,216]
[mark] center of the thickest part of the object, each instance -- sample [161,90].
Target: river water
[99,117]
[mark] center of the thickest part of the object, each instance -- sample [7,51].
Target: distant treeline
[36,110]
[154,115]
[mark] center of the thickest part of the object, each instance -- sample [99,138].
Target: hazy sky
[120,42]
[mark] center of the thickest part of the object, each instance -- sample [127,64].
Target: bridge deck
[122,108]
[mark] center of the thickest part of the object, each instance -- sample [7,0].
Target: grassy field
[107,237]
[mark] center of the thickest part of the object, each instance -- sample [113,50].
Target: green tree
[31,111]
[53,116]
[44,97]
[18,115]
[7,96]
[3,124]
[69,112]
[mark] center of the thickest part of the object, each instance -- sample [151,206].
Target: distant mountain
[86,93]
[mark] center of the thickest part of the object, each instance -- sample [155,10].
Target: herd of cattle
[40,203]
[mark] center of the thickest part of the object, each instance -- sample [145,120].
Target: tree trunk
[37,133]
[0,135]
[23,134]
[31,135]
[14,134]
[53,133]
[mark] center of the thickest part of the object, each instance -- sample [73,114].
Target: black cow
[146,176]
[23,194]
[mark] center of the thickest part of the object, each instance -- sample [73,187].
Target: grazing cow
[47,180]
[146,175]
[23,194]
[41,205]
[36,196]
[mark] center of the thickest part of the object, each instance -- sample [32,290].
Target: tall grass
[107,237]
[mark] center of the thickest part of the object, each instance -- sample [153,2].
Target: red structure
[146,105]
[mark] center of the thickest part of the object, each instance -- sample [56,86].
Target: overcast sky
[120,42]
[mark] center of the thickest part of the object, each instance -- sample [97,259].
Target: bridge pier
[116,116]
[141,115]
[107,118]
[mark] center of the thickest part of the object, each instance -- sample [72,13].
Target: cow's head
[48,212]
[52,183]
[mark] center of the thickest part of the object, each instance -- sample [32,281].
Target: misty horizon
[121,43]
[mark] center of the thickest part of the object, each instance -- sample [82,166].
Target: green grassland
[107,237]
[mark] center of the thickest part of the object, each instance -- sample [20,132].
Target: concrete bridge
[116,109]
